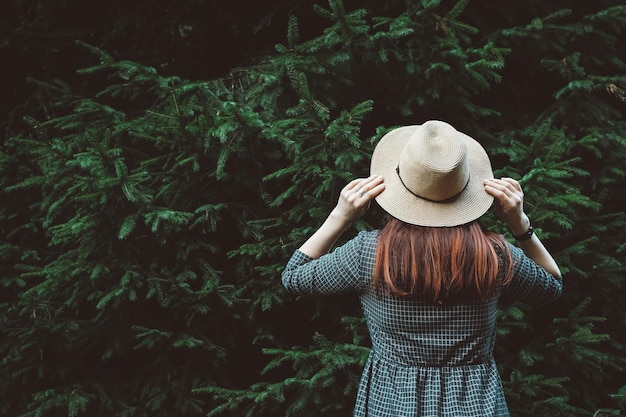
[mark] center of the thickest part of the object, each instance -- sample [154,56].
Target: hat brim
[400,203]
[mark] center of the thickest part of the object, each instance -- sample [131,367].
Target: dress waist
[417,362]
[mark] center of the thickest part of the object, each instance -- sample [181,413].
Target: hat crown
[433,164]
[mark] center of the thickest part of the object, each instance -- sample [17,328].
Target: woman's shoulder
[369,234]
[368,238]
[363,245]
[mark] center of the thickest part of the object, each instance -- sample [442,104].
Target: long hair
[440,263]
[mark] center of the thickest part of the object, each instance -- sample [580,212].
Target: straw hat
[433,175]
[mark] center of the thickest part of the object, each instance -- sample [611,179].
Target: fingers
[356,197]
[353,184]
[509,199]
[504,183]
[504,188]
[495,189]
[512,185]
[366,188]
[370,187]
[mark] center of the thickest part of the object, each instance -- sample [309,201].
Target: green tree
[148,215]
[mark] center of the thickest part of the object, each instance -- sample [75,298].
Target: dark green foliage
[147,215]
[324,381]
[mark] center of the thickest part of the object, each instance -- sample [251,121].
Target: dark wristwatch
[525,236]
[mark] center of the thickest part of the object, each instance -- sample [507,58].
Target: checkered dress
[426,360]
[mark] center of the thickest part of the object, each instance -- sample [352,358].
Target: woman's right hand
[355,198]
[509,203]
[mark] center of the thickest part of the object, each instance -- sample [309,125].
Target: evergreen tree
[147,217]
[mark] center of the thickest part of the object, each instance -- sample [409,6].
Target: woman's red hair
[440,263]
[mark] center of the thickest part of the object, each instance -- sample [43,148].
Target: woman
[430,280]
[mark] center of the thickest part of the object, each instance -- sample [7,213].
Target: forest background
[161,160]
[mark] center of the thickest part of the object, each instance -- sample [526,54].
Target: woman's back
[415,333]
[429,290]
[428,358]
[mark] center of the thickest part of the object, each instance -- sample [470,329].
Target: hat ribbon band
[447,200]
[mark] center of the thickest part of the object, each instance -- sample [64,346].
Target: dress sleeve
[530,282]
[343,270]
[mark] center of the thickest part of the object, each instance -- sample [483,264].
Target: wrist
[339,219]
[523,231]
[521,227]
[526,235]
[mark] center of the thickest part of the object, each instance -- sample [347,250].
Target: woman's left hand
[355,198]
[509,203]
